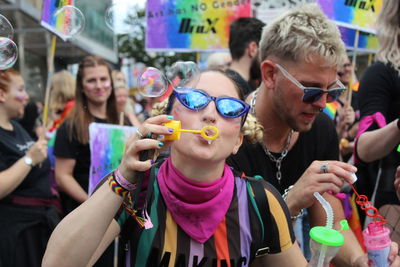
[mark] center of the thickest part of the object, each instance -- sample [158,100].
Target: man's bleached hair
[302,33]
[388,32]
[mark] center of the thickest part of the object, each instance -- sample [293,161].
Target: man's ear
[2,96]
[268,72]
[252,49]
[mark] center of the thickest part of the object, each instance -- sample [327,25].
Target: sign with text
[192,25]
[355,14]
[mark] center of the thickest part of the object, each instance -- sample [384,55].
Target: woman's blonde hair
[62,89]
[388,32]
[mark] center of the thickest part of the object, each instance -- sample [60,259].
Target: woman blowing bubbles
[198,210]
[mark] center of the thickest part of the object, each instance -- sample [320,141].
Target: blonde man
[299,54]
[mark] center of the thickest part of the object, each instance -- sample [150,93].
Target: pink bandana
[198,208]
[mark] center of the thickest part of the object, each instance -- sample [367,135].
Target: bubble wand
[205,131]
[376,237]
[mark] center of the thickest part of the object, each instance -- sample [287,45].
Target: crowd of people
[245,198]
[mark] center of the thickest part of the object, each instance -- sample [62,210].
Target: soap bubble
[152,82]
[8,53]
[68,20]
[121,17]
[6,29]
[185,72]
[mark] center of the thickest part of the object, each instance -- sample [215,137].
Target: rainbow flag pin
[331,109]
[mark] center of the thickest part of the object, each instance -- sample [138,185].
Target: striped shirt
[233,244]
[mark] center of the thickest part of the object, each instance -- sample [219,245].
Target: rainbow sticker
[197,25]
[331,109]
[107,146]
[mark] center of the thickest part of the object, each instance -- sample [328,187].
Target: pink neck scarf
[198,208]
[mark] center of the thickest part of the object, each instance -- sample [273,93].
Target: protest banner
[194,25]
[354,14]
[107,146]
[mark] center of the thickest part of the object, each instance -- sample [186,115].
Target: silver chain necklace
[278,161]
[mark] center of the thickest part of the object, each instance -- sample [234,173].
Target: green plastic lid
[327,236]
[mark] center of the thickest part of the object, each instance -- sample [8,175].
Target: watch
[28,161]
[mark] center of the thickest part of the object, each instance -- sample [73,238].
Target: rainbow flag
[197,25]
[52,23]
[107,146]
[331,109]
[355,14]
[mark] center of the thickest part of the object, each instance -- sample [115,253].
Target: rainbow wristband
[123,182]
[116,187]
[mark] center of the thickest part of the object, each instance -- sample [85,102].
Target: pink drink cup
[377,241]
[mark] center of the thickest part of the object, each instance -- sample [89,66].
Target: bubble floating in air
[121,17]
[8,53]
[69,21]
[6,29]
[152,82]
[184,72]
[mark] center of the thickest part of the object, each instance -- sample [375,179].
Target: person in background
[244,35]
[62,94]
[219,61]
[379,99]
[125,104]
[28,207]
[31,120]
[94,102]
[347,115]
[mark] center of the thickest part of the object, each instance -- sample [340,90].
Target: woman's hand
[140,141]
[38,152]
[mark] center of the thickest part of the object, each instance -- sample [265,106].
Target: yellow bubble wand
[176,135]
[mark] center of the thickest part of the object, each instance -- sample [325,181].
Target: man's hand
[321,176]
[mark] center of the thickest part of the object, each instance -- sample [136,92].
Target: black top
[319,143]
[243,84]
[380,92]
[73,149]
[13,146]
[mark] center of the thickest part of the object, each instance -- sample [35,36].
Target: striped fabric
[233,243]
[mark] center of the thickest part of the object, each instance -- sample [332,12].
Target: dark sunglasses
[227,107]
[313,94]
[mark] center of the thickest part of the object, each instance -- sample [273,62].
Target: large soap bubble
[183,72]
[6,29]
[121,17]
[152,82]
[69,21]
[8,53]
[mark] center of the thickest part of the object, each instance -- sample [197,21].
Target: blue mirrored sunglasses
[196,99]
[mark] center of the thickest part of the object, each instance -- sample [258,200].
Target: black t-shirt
[243,84]
[380,92]
[64,147]
[319,143]
[13,146]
